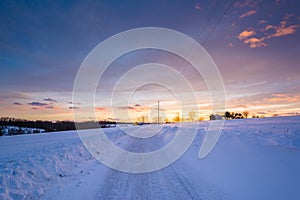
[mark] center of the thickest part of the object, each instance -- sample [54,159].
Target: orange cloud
[255,42]
[247,14]
[282,29]
[269,31]
[101,108]
[246,34]
[268,27]
[282,98]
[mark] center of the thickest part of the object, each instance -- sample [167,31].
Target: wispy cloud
[254,42]
[282,98]
[136,107]
[50,100]
[73,107]
[246,34]
[230,44]
[247,3]
[18,104]
[36,103]
[126,108]
[74,103]
[101,108]
[198,6]
[262,21]
[283,30]
[52,107]
[247,14]
[14,95]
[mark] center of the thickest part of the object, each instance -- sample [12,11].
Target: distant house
[215,117]
[5,131]
[107,124]
[15,130]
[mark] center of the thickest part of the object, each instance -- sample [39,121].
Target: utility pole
[158,112]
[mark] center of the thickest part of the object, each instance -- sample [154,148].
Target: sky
[255,44]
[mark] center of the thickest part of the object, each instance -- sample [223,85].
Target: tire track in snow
[162,184]
[168,183]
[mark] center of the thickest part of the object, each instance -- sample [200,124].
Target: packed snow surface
[253,159]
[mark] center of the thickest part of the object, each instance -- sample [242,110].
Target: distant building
[15,130]
[215,117]
[107,124]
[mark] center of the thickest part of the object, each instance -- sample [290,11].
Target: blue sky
[254,43]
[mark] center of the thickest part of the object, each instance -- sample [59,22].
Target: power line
[209,19]
[219,21]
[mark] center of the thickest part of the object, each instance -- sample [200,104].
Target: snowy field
[254,159]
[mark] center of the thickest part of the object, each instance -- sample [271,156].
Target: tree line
[232,115]
[48,126]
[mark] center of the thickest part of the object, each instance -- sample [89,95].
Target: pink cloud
[282,30]
[198,6]
[282,98]
[269,31]
[247,3]
[230,45]
[247,14]
[262,21]
[101,108]
[246,34]
[255,42]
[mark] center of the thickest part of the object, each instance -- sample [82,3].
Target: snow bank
[30,164]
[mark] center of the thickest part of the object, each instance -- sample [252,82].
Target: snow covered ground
[254,159]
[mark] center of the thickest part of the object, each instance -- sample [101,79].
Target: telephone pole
[157,112]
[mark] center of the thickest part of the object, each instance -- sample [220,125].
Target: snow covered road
[172,182]
[254,159]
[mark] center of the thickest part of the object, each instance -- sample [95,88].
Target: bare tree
[246,113]
[192,115]
[201,118]
[177,118]
[141,119]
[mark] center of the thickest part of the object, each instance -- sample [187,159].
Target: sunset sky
[254,43]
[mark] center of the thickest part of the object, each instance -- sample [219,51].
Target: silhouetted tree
[238,116]
[177,118]
[228,115]
[192,115]
[212,117]
[246,113]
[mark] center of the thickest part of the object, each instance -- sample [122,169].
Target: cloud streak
[247,3]
[101,108]
[73,107]
[50,100]
[38,104]
[246,34]
[247,14]
[255,42]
